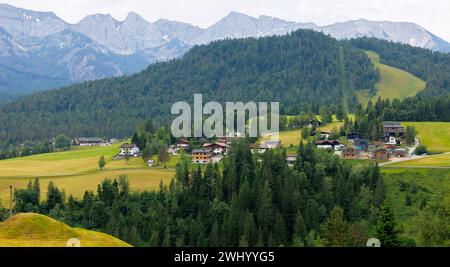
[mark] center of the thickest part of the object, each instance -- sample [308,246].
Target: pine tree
[300,231]
[336,230]
[386,227]
[380,192]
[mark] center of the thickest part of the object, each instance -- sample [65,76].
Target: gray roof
[391,124]
[93,139]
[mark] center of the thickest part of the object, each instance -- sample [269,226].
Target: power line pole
[10,200]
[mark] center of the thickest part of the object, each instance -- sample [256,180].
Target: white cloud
[431,14]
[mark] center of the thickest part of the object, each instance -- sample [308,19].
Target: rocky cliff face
[400,32]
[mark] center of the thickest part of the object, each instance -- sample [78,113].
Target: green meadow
[393,83]
[435,135]
[77,170]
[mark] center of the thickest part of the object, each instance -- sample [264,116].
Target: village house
[183,144]
[266,145]
[390,140]
[354,136]
[314,123]
[361,144]
[381,154]
[272,144]
[229,140]
[392,132]
[323,135]
[256,148]
[130,150]
[393,128]
[201,156]
[90,142]
[291,160]
[114,141]
[329,144]
[350,153]
[400,153]
[217,148]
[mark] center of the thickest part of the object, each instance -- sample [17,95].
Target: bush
[421,149]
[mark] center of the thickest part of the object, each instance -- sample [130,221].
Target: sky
[434,15]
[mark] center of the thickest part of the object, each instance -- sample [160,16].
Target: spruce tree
[386,227]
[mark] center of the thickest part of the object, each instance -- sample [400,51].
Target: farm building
[183,144]
[90,142]
[381,154]
[130,150]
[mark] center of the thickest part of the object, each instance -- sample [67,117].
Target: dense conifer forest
[321,201]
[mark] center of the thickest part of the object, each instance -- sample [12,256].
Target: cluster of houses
[356,146]
[214,152]
[209,152]
[359,148]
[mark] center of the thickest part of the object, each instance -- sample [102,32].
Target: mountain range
[39,50]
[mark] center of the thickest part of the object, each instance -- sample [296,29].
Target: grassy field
[432,161]
[35,230]
[421,185]
[394,83]
[77,171]
[292,138]
[435,135]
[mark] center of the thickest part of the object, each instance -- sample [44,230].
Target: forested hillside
[302,70]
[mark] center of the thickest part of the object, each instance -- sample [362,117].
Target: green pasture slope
[394,83]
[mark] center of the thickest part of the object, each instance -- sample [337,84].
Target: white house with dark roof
[131,150]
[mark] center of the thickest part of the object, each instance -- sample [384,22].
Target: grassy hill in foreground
[35,230]
[77,171]
[394,83]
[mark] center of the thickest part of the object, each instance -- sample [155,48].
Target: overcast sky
[434,15]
